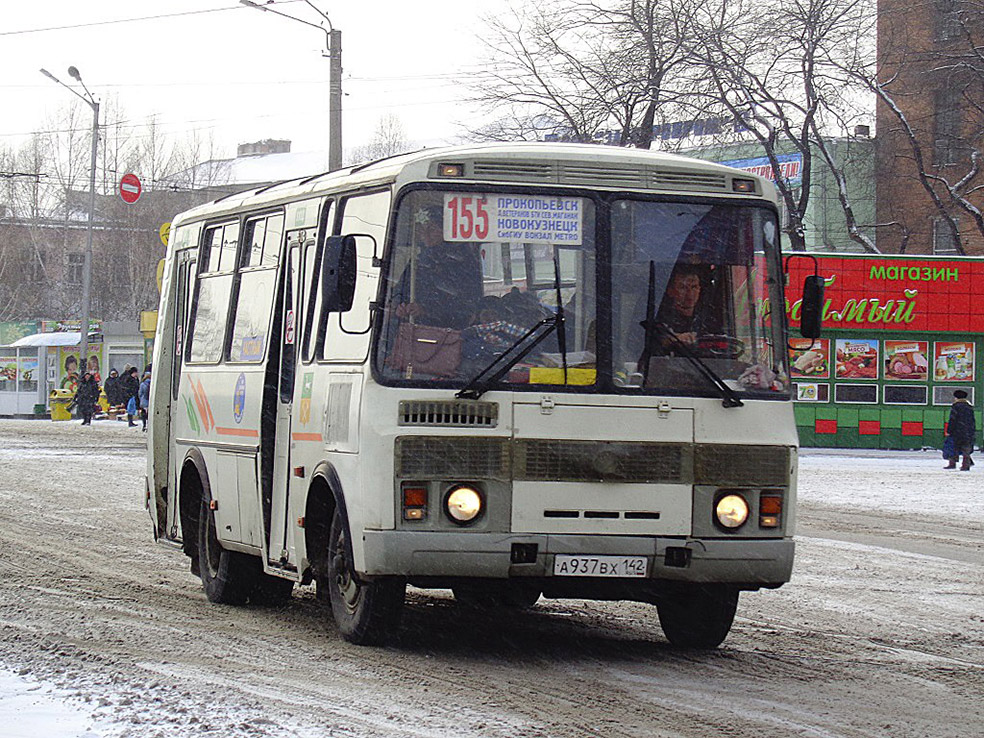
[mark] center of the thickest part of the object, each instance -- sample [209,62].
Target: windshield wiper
[728,396]
[477,386]
[653,327]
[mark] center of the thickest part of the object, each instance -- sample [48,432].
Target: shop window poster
[8,371]
[857,358]
[907,360]
[953,361]
[808,358]
[28,372]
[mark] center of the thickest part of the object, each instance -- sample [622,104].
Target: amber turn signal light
[770,511]
[414,502]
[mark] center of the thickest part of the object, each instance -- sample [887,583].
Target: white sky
[241,73]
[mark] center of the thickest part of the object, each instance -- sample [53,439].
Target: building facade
[930,125]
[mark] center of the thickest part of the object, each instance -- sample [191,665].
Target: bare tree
[578,70]
[779,69]
[388,139]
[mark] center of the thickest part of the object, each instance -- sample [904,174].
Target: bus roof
[584,165]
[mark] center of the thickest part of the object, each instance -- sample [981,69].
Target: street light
[87,98]
[333,41]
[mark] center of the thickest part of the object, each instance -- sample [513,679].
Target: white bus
[511,371]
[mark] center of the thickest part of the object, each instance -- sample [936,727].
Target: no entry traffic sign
[130,188]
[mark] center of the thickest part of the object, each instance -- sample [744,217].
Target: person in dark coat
[962,428]
[144,398]
[112,387]
[130,387]
[86,397]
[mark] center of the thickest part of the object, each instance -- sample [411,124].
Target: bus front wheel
[367,613]
[698,616]
[227,576]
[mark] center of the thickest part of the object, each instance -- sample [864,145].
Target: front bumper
[446,555]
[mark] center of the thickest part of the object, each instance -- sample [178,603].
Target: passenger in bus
[493,329]
[442,283]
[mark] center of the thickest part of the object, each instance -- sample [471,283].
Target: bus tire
[367,613]
[513,595]
[698,616]
[227,576]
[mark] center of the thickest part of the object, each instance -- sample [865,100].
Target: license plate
[600,566]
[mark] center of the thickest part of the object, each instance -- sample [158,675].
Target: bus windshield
[472,275]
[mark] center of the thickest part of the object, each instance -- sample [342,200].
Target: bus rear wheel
[367,613]
[698,616]
[227,576]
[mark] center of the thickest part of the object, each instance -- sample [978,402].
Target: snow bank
[32,710]
[891,481]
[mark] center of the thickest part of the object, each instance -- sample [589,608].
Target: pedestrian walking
[144,395]
[112,387]
[962,428]
[130,391]
[86,397]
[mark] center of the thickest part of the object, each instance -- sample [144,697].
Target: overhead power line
[118,21]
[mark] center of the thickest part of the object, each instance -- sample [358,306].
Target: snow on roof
[257,168]
[63,338]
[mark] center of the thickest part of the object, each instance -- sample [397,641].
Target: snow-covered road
[104,635]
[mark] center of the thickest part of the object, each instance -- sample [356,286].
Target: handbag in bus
[425,349]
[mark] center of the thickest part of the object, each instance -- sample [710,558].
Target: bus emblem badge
[239,398]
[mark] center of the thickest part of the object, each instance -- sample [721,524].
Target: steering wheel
[719,346]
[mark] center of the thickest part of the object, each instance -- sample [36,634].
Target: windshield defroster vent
[449,414]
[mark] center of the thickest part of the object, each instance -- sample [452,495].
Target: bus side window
[311,275]
[254,288]
[210,306]
[363,215]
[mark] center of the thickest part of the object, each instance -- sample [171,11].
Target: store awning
[65,338]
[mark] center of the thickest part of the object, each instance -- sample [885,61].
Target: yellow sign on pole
[160,275]
[165,232]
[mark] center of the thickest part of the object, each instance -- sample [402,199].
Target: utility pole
[333,43]
[87,98]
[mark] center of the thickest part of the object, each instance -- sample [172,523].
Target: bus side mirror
[338,272]
[811,309]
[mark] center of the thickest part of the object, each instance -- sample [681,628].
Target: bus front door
[279,551]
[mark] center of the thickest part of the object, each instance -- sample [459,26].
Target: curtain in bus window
[209,321]
[252,317]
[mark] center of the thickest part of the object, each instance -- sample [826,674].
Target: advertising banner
[906,360]
[893,293]
[857,358]
[809,359]
[953,361]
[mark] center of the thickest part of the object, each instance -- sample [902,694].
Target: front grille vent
[509,170]
[725,465]
[449,414]
[554,460]
[600,461]
[426,457]
[583,174]
[599,175]
[688,181]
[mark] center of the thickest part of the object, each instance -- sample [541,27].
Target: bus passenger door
[184,275]
[279,550]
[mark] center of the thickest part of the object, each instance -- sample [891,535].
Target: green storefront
[900,335]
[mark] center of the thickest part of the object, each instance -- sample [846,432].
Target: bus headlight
[463,504]
[731,511]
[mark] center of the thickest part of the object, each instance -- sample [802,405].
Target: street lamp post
[87,260]
[333,41]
